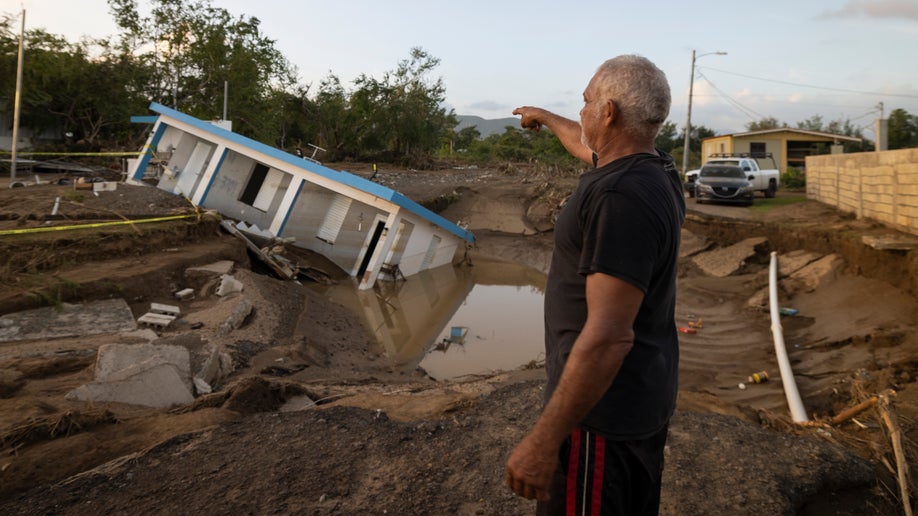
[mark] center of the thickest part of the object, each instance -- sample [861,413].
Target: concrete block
[185,294]
[159,308]
[156,320]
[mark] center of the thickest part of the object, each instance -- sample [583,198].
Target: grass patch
[765,205]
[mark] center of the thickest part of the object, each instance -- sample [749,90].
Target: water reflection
[454,321]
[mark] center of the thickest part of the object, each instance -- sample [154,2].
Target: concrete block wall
[881,186]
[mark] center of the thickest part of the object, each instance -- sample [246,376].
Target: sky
[787,59]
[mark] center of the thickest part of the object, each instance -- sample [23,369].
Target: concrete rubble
[726,261]
[228,285]
[799,272]
[167,370]
[68,320]
[241,310]
[150,375]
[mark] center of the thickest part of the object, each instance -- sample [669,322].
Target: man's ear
[609,112]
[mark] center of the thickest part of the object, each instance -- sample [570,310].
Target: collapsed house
[363,227]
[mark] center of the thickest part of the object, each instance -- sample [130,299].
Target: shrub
[793,178]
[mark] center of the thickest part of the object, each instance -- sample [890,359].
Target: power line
[746,110]
[902,95]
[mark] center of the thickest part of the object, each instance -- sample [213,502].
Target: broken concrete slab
[237,316]
[810,277]
[68,320]
[728,260]
[142,333]
[212,269]
[692,244]
[217,366]
[140,374]
[121,361]
[891,242]
[160,386]
[795,260]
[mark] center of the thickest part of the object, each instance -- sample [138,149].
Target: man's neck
[619,149]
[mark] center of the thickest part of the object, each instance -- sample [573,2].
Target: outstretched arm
[568,131]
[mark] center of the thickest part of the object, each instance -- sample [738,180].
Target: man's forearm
[567,130]
[587,376]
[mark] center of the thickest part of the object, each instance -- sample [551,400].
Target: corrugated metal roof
[340,176]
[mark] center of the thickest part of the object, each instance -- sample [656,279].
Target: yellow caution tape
[20,153]
[46,229]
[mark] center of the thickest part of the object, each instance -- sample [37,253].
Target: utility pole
[688,116]
[16,103]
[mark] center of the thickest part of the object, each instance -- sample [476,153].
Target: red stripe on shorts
[599,459]
[572,472]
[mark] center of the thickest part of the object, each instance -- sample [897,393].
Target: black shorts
[600,476]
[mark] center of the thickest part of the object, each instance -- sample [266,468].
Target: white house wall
[229,184]
[417,246]
[307,216]
[181,145]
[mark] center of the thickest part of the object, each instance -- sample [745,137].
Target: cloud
[897,9]
[488,105]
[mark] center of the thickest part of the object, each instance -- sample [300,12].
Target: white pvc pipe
[787,375]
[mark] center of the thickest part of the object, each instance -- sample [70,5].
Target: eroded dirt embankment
[831,233]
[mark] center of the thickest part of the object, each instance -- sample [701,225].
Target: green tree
[765,124]
[902,130]
[464,138]
[193,49]
[87,89]
[667,138]
[813,123]
[403,112]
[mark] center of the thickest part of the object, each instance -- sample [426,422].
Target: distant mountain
[487,127]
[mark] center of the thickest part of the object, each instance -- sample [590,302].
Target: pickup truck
[766,181]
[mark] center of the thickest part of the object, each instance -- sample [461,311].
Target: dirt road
[381,441]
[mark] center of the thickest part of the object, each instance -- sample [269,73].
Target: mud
[378,439]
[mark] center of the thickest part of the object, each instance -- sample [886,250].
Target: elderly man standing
[611,343]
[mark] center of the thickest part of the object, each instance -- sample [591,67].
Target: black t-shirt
[624,219]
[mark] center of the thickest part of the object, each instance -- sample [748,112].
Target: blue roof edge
[340,176]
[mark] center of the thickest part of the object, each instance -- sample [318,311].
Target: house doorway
[370,247]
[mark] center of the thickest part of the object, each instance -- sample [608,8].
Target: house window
[334,219]
[259,173]
[756,148]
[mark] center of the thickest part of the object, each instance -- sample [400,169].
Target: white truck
[766,181]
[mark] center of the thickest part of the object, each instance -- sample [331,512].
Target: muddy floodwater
[453,321]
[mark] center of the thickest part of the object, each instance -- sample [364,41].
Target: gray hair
[640,92]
